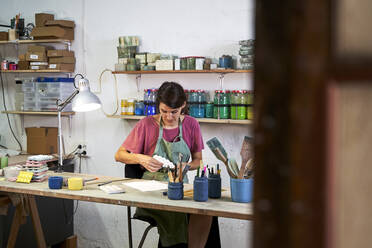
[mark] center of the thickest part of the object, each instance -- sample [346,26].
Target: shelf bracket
[138,83]
[22,125]
[68,45]
[221,76]
[69,125]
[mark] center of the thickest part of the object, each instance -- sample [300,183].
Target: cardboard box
[23,65]
[52,32]
[60,53]
[63,67]
[33,48]
[3,36]
[22,57]
[41,140]
[38,63]
[41,18]
[38,67]
[61,23]
[36,56]
[62,60]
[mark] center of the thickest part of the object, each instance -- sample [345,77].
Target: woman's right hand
[150,163]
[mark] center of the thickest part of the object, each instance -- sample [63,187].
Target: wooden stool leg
[36,222]
[18,220]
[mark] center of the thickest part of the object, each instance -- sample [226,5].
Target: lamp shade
[85,100]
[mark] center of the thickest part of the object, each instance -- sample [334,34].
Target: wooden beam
[291,71]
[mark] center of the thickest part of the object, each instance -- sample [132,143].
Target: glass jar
[191,63]
[139,108]
[233,102]
[183,63]
[249,95]
[124,104]
[130,107]
[242,102]
[200,104]
[221,108]
[209,110]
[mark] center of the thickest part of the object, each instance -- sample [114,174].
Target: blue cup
[175,191]
[214,186]
[241,190]
[201,189]
[55,182]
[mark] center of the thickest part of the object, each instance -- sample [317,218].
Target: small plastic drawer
[28,87]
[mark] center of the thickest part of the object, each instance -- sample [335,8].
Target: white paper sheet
[147,185]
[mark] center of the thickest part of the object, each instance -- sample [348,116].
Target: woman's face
[170,116]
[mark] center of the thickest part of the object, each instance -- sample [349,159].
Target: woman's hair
[171,94]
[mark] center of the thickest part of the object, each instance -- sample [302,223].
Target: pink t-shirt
[143,137]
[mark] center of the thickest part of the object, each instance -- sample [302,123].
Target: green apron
[172,226]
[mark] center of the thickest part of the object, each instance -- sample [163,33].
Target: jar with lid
[249,95]
[139,108]
[183,63]
[124,105]
[209,110]
[151,109]
[193,102]
[242,101]
[200,104]
[234,102]
[130,107]
[191,63]
[221,108]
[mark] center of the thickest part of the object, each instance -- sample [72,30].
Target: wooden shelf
[35,41]
[182,71]
[35,71]
[37,113]
[200,120]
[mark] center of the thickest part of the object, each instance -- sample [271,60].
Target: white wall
[207,28]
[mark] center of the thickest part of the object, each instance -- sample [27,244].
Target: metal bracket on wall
[221,76]
[68,45]
[69,125]
[138,82]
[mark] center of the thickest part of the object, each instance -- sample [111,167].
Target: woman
[167,134]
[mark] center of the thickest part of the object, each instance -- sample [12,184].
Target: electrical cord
[116,91]
[69,220]
[5,108]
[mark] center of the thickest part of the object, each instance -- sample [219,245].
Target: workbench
[222,207]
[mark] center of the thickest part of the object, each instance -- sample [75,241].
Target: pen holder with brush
[214,186]
[55,182]
[241,190]
[175,191]
[201,189]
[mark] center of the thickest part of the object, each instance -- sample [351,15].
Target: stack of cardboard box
[42,57]
[36,56]
[61,60]
[48,28]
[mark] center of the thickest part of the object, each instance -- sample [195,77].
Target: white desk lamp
[83,100]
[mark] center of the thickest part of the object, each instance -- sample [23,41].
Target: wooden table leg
[18,220]
[36,222]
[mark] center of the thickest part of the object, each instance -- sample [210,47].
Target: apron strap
[160,130]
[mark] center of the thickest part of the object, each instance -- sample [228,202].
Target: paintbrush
[248,172]
[233,167]
[244,151]
[215,143]
[221,157]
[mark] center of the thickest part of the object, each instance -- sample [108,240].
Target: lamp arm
[62,105]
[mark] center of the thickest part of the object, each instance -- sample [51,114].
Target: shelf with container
[200,120]
[68,114]
[65,42]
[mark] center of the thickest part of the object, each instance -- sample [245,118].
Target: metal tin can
[4,65]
